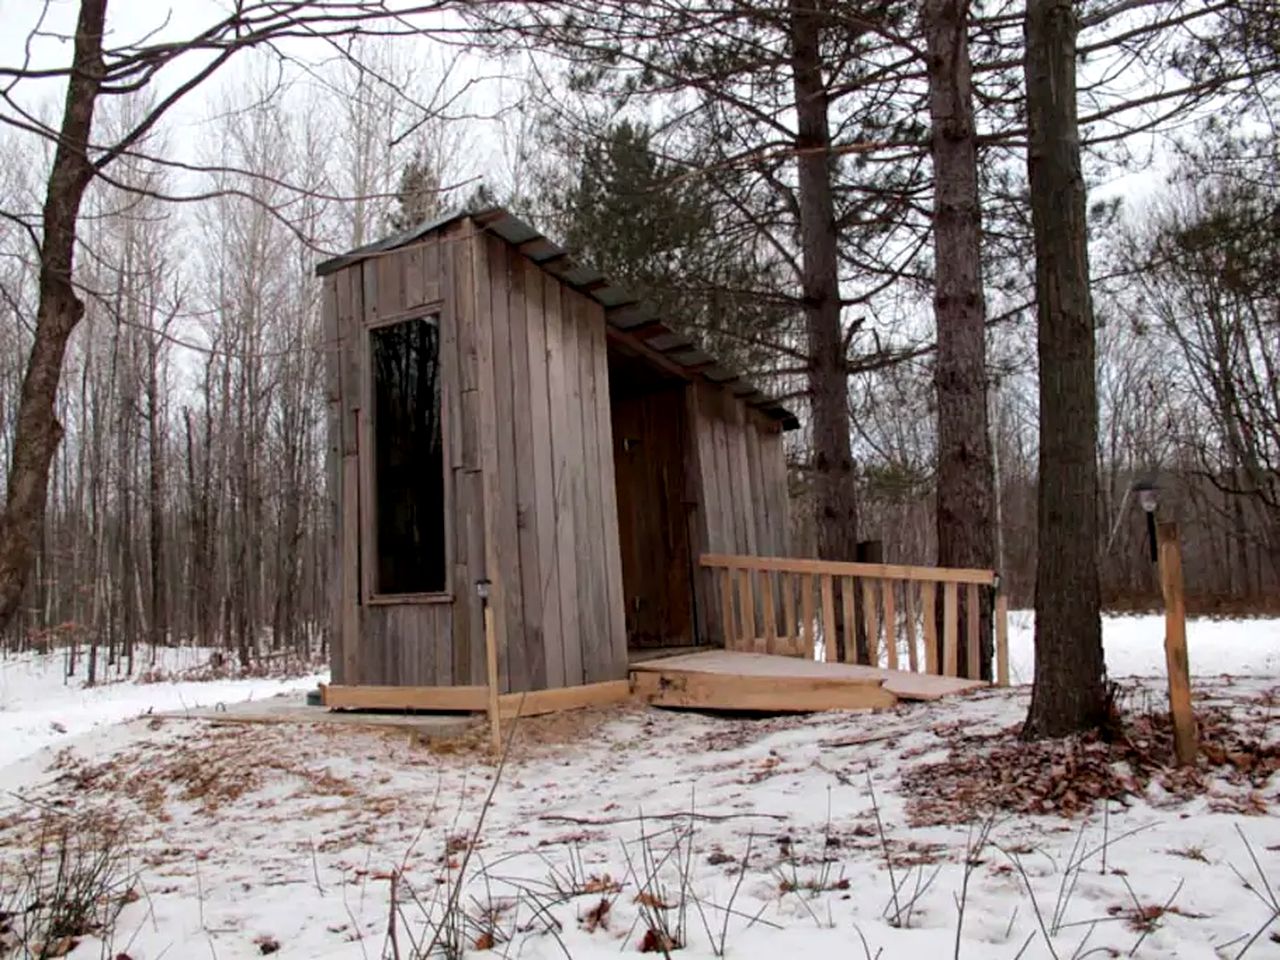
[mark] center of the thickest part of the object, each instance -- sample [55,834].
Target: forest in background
[187,500]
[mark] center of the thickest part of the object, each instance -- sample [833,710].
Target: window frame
[433,311]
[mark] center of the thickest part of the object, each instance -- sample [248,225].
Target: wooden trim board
[877,571]
[369,697]
[718,691]
[538,702]
[788,670]
[473,698]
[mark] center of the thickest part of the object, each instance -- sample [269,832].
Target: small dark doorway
[649,435]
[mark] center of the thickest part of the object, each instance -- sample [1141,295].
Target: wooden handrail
[878,571]
[758,612]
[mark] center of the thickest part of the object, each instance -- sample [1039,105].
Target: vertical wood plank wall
[420,644]
[553,540]
[529,462]
[738,477]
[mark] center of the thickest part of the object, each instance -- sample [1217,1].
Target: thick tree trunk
[1069,693]
[38,431]
[966,480]
[834,492]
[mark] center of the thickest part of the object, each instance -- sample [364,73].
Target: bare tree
[97,70]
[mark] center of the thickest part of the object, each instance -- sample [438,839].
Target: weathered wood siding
[416,642]
[738,478]
[547,459]
[529,472]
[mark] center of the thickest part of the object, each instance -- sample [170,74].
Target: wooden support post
[1175,644]
[769,612]
[750,641]
[890,623]
[871,616]
[950,630]
[829,620]
[850,623]
[929,613]
[806,614]
[491,666]
[726,606]
[973,634]
[788,582]
[1002,638]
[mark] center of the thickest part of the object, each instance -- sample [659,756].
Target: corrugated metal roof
[623,310]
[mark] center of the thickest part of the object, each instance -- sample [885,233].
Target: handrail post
[1002,635]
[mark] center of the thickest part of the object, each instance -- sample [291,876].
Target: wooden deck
[729,680]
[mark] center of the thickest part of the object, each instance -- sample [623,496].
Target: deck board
[903,685]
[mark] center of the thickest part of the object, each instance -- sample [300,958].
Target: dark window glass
[408,503]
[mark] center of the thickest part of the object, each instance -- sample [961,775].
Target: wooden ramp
[729,680]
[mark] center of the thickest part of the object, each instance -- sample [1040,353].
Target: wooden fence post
[1175,644]
[1002,637]
[491,665]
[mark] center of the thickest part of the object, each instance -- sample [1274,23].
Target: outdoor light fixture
[1148,494]
[482,590]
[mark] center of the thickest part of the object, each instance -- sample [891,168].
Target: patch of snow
[1134,646]
[42,707]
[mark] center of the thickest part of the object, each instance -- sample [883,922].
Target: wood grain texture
[972,635]
[706,691]
[561,367]
[538,287]
[592,586]
[871,621]
[615,639]
[405,697]
[807,627]
[929,618]
[769,612]
[788,583]
[488,436]
[829,620]
[866,570]
[747,600]
[524,308]
[512,705]
[911,686]
[1002,639]
[950,630]
[849,603]
[1185,738]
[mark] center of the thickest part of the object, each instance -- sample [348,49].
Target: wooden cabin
[500,413]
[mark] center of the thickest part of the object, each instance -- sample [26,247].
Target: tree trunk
[966,494]
[159,596]
[835,495]
[1069,692]
[38,431]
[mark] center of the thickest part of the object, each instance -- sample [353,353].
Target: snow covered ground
[41,707]
[609,828]
[1134,646]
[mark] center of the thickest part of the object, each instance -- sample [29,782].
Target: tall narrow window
[408,458]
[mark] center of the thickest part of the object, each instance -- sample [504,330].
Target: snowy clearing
[40,706]
[250,836]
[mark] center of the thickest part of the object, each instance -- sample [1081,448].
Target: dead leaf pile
[986,772]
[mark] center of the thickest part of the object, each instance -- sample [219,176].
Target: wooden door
[653,523]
